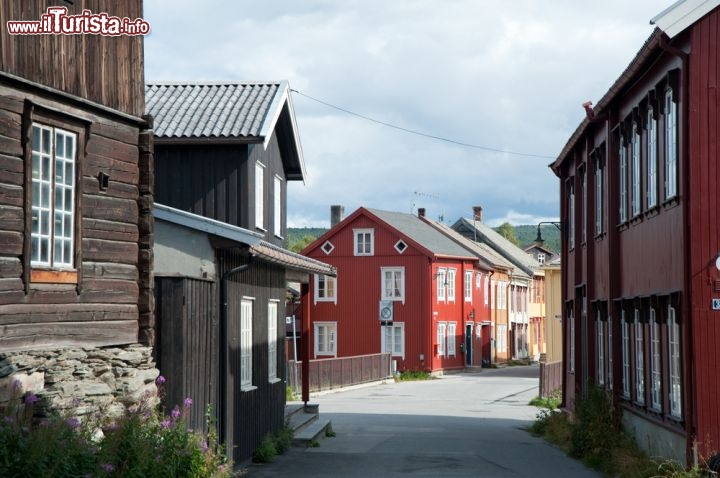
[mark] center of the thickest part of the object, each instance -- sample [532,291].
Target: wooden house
[402,286]
[225,153]
[525,307]
[639,184]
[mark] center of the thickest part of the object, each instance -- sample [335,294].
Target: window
[655,371]
[622,155]
[400,246]
[635,160]
[610,353]
[393,280]
[441,339]
[327,247]
[598,197]
[571,215]
[325,333]
[671,162]
[468,286]
[246,340]
[502,295]
[277,209]
[259,196]
[325,288]
[272,341]
[451,339]
[651,146]
[571,340]
[639,359]
[53,197]
[625,355]
[441,274]
[600,334]
[583,223]
[451,285]
[393,339]
[364,242]
[502,338]
[675,394]
[487,289]
[541,258]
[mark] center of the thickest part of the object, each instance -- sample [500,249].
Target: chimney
[337,214]
[421,212]
[477,213]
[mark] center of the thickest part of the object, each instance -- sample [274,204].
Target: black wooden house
[224,154]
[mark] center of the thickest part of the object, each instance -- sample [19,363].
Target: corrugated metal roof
[683,13]
[213,110]
[422,233]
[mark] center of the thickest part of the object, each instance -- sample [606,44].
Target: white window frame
[541,258]
[365,239]
[277,209]
[635,201]
[440,338]
[639,359]
[273,341]
[502,338]
[396,349]
[502,295]
[325,288]
[674,362]
[600,344]
[246,343]
[651,148]
[622,189]
[468,286]
[53,246]
[571,340]
[392,292]
[671,150]
[571,214]
[625,328]
[598,197]
[610,363]
[655,363]
[329,346]
[451,274]
[487,289]
[441,276]
[451,339]
[584,211]
[259,196]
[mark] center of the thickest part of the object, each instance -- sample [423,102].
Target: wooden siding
[103,307]
[106,70]
[704,151]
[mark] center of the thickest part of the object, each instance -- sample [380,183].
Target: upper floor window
[393,283]
[651,147]
[598,197]
[622,186]
[541,257]
[325,288]
[364,242]
[502,295]
[583,213]
[53,197]
[671,162]
[277,209]
[486,292]
[571,214]
[635,173]
[259,196]
[468,286]
[451,285]
[441,277]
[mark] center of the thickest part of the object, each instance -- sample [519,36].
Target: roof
[244,113]
[681,14]
[535,245]
[257,246]
[507,249]
[422,233]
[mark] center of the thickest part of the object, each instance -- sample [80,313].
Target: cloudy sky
[507,75]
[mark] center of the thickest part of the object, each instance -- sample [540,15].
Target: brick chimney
[337,214]
[477,213]
[421,212]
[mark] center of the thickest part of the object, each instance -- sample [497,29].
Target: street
[465,424]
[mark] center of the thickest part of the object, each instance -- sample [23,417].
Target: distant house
[525,301]
[639,188]
[75,214]
[403,287]
[540,253]
[224,155]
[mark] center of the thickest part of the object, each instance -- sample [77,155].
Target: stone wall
[79,381]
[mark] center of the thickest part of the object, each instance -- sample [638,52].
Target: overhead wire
[420,133]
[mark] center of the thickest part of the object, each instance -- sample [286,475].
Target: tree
[298,245]
[507,231]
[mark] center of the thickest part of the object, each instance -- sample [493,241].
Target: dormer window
[364,242]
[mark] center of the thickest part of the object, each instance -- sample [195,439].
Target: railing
[550,377]
[329,374]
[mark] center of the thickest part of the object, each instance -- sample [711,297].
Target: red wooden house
[402,286]
[640,270]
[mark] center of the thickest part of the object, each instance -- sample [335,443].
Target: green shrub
[266,452]
[414,375]
[284,439]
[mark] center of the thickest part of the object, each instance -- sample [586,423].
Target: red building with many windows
[403,287]
[641,275]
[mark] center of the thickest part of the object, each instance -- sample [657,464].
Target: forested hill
[300,237]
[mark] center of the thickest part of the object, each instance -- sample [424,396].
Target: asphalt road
[460,425]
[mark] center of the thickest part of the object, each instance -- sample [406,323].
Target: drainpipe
[689,396]
[493,353]
[223,339]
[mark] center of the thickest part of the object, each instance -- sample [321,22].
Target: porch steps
[305,422]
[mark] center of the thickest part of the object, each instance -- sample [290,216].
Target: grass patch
[414,375]
[595,437]
[273,445]
[552,402]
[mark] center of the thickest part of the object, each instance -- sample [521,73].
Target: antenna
[420,194]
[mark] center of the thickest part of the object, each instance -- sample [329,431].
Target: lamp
[539,238]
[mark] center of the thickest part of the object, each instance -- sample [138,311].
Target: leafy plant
[266,452]
[414,375]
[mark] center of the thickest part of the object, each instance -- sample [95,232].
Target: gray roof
[501,245]
[422,233]
[248,112]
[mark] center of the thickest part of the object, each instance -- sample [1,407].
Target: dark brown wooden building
[75,185]
[224,155]
[640,270]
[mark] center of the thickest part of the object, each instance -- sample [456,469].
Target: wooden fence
[329,374]
[550,377]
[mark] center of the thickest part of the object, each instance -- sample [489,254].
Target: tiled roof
[222,110]
[277,255]
[422,233]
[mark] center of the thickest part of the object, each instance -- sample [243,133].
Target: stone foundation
[79,381]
